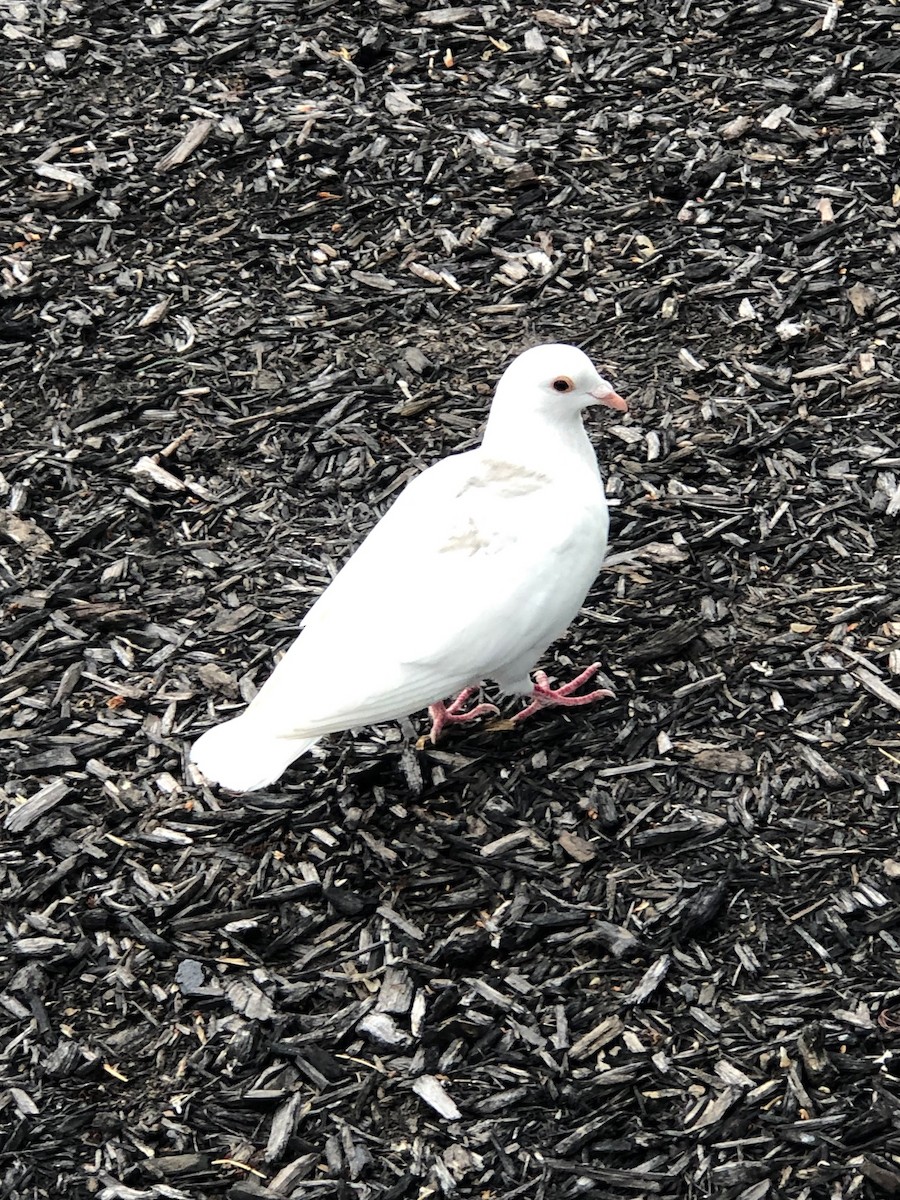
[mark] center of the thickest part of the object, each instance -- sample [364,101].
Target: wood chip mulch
[261,262]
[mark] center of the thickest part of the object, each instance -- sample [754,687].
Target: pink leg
[453,714]
[544,696]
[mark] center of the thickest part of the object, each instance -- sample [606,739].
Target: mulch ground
[263,261]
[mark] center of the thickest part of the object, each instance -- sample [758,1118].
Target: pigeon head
[557,380]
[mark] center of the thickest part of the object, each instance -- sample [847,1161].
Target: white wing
[475,567]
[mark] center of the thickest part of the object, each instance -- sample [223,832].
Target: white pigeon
[482,561]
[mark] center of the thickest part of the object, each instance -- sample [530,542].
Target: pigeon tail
[243,756]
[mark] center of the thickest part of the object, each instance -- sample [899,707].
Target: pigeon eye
[563,384]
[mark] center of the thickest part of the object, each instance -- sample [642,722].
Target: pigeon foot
[544,696]
[456,714]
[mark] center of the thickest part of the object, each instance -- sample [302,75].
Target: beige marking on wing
[519,480]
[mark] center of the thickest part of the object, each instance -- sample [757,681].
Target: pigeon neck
[532,441]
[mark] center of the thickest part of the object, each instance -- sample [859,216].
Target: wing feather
[456,580]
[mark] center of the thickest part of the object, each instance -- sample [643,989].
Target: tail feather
[243,757]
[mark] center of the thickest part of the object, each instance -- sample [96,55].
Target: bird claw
[455,713]
[544,696]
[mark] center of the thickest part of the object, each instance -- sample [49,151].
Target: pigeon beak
[610,398]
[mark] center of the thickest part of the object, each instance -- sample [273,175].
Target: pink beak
[610,399]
